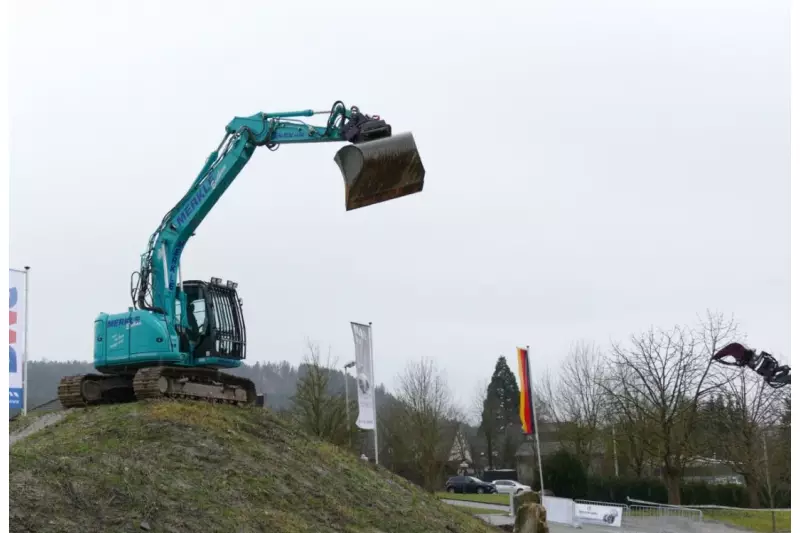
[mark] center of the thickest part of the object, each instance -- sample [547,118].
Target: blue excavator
[179,336]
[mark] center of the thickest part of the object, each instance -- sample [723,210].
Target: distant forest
[278,381]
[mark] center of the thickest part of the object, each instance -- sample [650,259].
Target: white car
[509,486]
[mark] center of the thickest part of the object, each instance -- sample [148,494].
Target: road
[478,505]
[664,524]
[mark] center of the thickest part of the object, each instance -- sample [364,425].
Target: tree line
[649,416]
[657,405]
[641,414]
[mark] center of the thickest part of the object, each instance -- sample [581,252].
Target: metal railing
[606,504]
[724,513]
[659,511]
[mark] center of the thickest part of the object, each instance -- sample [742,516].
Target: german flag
[525,395]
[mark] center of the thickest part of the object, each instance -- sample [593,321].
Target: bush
[618,490]
[564,475]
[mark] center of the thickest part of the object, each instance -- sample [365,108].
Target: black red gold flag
[525,395]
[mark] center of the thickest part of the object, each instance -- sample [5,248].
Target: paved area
[478,505]
[496,519]
[630,524]
[41,423]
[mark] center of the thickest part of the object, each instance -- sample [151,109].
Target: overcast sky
[593,168]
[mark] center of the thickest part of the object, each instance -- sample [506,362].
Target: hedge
[567,478]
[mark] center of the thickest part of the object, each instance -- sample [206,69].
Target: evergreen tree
[500,423]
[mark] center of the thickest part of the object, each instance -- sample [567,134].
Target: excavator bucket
[380,170]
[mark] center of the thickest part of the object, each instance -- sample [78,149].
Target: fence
[642,516]
[776,520]
[658,511]
[652,517]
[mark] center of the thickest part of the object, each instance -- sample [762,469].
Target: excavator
[179,336]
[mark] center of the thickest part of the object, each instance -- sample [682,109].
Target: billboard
[17,341]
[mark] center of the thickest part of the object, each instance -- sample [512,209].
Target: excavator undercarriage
[154,383]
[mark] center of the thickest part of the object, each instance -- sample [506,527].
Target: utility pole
[374,407]
[769,485]
[536,432]
[614,442]
[347,402]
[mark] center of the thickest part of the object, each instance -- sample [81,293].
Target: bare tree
[475,410]
[574,400]
[631,434]
[315,408]
[746,408]
[660,380]
[427,420]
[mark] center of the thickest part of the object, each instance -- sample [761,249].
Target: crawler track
[153,383]
[94,389]
[69,391]
[195,383]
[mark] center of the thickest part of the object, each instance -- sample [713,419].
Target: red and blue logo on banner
[14,393]
[12,333]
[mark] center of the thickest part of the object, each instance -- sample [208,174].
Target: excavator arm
[764,364]
[376,167]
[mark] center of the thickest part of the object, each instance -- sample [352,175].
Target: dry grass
[189,467]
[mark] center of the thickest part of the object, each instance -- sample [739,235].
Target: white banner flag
[16,337]
[362,336]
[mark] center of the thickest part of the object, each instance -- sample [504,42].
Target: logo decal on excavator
[173,263]
[128,322]
[206,186]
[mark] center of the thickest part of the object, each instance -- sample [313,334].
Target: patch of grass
[176,467]
[497,499]
[760,521]
[754,520]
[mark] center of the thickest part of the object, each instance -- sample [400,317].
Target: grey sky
[593,168]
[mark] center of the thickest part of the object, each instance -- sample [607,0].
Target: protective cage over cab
[215,318]
[380,170]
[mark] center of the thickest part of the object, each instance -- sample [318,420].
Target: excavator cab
[215,318]
[378,166]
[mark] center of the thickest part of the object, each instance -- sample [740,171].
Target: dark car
[466,484]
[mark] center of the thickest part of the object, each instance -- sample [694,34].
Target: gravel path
[477,505]
[40,423]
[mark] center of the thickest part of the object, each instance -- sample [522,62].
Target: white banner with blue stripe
[16,337]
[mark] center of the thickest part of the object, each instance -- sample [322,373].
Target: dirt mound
[192,467]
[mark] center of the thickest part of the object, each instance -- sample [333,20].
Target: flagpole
[535,424]
[374,407]
[27,345]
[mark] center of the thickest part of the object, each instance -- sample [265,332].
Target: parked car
[490,475]
[509,486]
[469,484]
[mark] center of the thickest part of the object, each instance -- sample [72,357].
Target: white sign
[16,337]
[604,515]
[362,336]
[559,510]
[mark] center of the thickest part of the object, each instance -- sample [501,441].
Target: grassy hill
[191,467]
